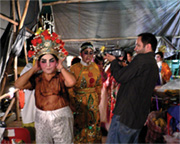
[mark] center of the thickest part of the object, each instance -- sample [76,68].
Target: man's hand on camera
[109,57]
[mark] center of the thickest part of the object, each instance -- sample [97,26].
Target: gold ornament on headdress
[46,43]
[102,50]
[162,48]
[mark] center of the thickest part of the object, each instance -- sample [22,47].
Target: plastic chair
[19,133]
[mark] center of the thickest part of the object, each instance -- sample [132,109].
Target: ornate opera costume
[54,119]
[85,99]
[164,72]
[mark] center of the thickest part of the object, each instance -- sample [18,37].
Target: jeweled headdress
[86,45]
[46,43]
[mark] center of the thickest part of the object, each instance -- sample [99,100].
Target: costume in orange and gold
[165,72]
[85,97]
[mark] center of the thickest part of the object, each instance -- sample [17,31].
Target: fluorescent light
[175,60]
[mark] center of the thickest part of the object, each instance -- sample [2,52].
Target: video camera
[117,52]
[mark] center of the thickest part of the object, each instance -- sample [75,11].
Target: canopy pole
[6,74]
[13,22]
[8,19]
[98,39]
[25,52]
[11,104]
[9,108]
[3,83]
[18,7]
[24,15]
[71,1]
[8,94]
[25,48]
[16,59]
[13,12]
[15,75]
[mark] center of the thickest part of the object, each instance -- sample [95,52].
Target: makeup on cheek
[52,63]
[43,63]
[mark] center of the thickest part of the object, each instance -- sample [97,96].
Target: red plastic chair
[20,133]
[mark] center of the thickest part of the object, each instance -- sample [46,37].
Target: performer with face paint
[164,70]
[53,118]
[85,97]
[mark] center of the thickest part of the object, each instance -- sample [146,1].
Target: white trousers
[54,126]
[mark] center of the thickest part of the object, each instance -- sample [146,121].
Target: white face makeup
[87,55]
[158,58]
[48,63]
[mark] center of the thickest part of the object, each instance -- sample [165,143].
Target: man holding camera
[138,80]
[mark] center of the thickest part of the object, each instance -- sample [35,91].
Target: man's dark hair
[161,54]
[149,38]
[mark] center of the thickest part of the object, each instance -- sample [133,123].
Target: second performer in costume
[85,97]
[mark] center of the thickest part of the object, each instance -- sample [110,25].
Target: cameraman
[138,80]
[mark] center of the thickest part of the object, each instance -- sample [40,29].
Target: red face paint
[48,63]
[87,55]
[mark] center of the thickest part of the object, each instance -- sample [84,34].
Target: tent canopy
[117,22]
[104,22]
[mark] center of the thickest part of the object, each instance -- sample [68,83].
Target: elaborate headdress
[86,45]
[46,43]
